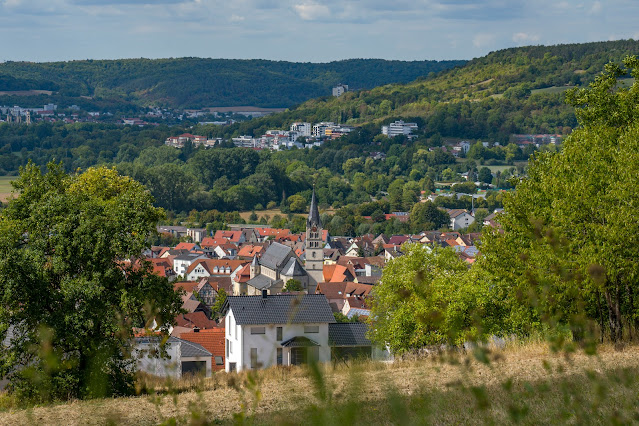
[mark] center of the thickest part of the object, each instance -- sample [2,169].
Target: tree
[566,227]
[67,290]
[293,285]
[485,175]
[297,203]
[429,297]
[220,299]
[426,216]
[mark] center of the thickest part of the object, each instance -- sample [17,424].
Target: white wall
[161,367]
[267,343]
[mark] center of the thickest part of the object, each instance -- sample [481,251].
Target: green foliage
[485,175]
[65,288]
[293,285]
[566,226]
[429,297]
[220,299]
[198,82]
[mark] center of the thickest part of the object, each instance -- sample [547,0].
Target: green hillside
[518,90]
[197,82]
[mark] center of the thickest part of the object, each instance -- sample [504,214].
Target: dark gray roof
[298,341]
[293,268]
[313,214]
[189,256]
[261,282]
[348,334]
[187,349]
[280,309]
[191,349]
[275,255]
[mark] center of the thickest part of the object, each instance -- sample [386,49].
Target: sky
[302,30]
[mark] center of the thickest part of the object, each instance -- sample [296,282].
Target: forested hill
[197,82]
[517,90]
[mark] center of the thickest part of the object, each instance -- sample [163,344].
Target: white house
[182,357]
[460,219]
[285,329]
[304,129]
[182,262]
[398,128]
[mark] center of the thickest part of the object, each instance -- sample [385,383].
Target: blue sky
[301,30]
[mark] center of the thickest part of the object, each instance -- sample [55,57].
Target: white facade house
[182,262]
[182,357]
[339,90]
[319,129]
[460,219]
[304,129]
[285,329]
[399,128]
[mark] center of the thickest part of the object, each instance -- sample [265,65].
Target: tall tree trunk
[613,299]
[631,303]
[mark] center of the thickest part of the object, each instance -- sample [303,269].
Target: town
[258,271]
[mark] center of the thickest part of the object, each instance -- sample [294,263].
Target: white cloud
[312,11]
[521,38]
[596,8]
[236,18]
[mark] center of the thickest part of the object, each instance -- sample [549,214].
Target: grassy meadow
[527,384]
[5,187]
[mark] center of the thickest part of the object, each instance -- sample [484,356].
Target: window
[253,357]
[228,345]
[258,330]
[311,329]
[279,355]
[279,333]
[219,360]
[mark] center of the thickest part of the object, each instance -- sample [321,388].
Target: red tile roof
[186,246]
[212,340]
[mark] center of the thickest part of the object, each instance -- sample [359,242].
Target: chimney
[264,294]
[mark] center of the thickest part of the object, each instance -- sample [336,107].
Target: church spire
[313,214]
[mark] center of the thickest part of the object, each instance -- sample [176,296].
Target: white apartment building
[319,129]
[399,128]
[303,129]
[339,90]
[244,142]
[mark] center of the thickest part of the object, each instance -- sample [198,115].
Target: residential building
[399,128]
[319,129]
[303,129]
[339,90]
[183,357]
[460,219]
[267,330]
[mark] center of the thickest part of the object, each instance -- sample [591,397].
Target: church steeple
[314,248]
[313,215]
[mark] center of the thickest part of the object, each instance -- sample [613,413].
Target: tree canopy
[568,231]
[67,291]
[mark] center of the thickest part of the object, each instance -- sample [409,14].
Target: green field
[5,187]
[553,89]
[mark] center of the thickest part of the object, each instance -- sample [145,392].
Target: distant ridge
[197,82]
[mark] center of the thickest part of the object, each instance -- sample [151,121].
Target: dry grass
[5,187]
[546,387]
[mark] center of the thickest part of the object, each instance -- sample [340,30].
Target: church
[279,263]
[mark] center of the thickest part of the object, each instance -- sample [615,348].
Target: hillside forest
[513,91]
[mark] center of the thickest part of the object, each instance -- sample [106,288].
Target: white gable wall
[241,342]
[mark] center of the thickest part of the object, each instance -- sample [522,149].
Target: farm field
[5,187]
[528,384]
